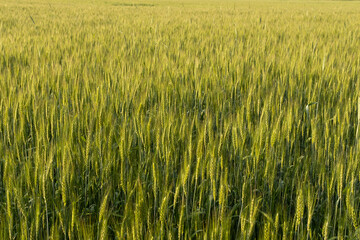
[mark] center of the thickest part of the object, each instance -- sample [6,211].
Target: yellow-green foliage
[179,119]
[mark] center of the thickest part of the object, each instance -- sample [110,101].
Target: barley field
[179,119]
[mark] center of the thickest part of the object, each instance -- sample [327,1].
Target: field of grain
[179,119]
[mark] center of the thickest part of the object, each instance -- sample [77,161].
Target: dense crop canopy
[179,120]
